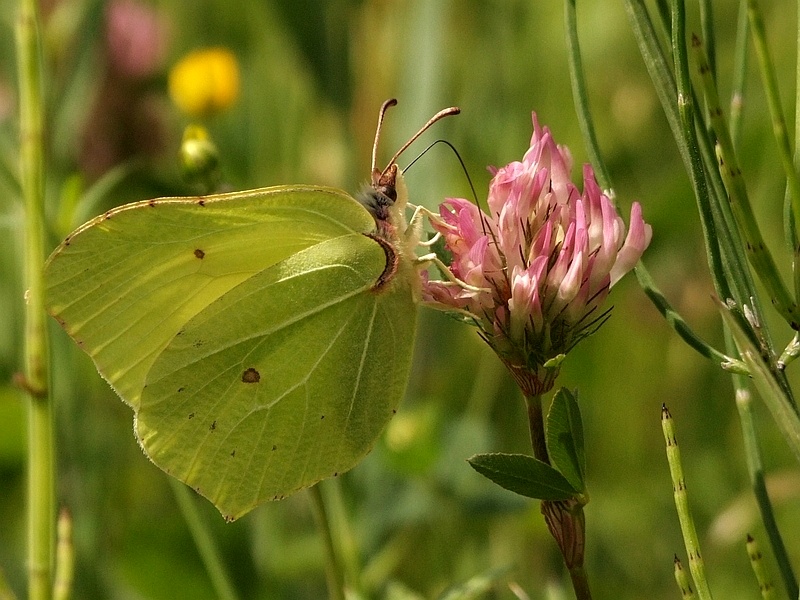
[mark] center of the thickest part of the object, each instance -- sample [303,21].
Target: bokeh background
[312,76]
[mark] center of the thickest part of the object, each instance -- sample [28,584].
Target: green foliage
[564,431]
[523,475]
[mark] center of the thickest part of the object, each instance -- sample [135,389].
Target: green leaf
[565,438]
[255,335]
[523,475]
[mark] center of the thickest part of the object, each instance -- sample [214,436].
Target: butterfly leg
[426,260]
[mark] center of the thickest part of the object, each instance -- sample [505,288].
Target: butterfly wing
[245,332]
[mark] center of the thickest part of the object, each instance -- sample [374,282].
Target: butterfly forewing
[125,283]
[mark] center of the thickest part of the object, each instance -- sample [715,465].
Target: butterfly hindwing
[287,379]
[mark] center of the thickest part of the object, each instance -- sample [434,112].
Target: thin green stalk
[739,71]
[333,567]
[204,541]
[707,29]
[65,558]
[41,469]
[755,468]
[687,593]
[581,97]
[790,229]
[759,569]
[587,126]
[770,385]
[682,328]
[757,250]
[770,81]
[686,112]
[347,543]
[690,539]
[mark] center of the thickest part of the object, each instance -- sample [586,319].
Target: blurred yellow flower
[205,82]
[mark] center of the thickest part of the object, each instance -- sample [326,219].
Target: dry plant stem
[564,519]
[41,507]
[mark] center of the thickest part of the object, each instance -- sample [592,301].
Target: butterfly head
[385,198]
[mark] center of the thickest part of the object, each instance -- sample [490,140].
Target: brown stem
[536,426]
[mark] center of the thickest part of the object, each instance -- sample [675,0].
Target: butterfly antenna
[384,107]
[453,110]
[460,160]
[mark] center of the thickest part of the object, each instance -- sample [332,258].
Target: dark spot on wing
[233,454]
[191,415]
[199,253]
[274,448]
[213,426]
[201,202]
[321,417]
[251,376]
[180,389]
[151,203]
[197,343]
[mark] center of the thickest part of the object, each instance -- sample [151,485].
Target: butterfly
[263,338]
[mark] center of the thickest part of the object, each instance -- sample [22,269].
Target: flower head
[538,267]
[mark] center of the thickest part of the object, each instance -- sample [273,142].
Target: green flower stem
[333,568]
[65,558]
[690,540]
[770,81]
[204,541]
[565,520]
[755,468]
[536,428]
[759,569]
[41,469]
[687,593]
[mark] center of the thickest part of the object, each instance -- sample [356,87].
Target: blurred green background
[313,75]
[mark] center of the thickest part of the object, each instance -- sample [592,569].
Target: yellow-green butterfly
[262,338]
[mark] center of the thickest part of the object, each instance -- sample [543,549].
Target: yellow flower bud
[205,82]
[200,159]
